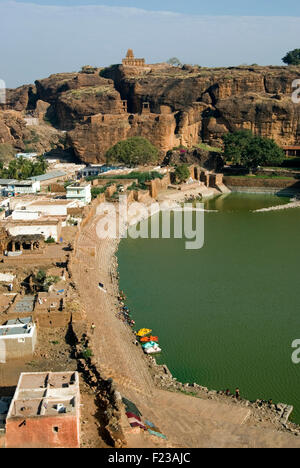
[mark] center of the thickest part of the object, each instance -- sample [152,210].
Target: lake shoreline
[279,414]
[133,371]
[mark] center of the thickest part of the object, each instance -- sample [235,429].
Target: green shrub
[182,173]
[50,240]
[133,152]
[87,353]
[96,191]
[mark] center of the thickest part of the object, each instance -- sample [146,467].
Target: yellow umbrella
[143,332]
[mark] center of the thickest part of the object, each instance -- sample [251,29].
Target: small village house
[14,187]
[45,411]
[80,191]
[30,156]
[45,226]
[17,339]
[44,206]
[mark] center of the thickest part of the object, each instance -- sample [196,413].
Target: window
[55,429]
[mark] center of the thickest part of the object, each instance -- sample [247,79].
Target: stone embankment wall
[254,184]
[124,182]
[108,399]
[276,414]
[89,212]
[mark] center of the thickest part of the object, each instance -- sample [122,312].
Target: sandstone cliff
[186,106]
[15,132]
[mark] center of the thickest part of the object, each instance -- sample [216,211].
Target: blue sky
[41,37]
[199,7]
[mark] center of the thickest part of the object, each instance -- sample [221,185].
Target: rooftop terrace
[17,327]
[46,394]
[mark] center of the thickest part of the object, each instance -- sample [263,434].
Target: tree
[132,152]
[182,173]
[235,146]
[41,166]
[245,149]
[21,168]
[292,57]
[175,62]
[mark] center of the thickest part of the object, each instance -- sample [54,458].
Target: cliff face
[208,103]
[186,105]
[37,138]
[12,129]
[91,140]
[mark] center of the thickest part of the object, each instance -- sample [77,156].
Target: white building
[25,215]
[17,339]
[27,186]
[80,191]
[30,156]
[46,207]
[46,226]
[15,187]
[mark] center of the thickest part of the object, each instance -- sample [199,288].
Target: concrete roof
[19,321]
[18,183]
[11,331]
[38,394]
[16,327]
[49,176]
[21,183]
[26,304]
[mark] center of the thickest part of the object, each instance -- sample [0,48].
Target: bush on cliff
[175,62]
[292,57]
[245,149]
[133,152]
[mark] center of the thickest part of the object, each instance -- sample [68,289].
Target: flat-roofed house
[45,411]
[80,191]
[29,156]
[17,339]
[27,186]
[25,214]
[46,207]
[18,187]
[46,226]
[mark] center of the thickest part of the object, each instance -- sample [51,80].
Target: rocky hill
[170,106]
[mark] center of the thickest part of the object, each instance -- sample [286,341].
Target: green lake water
[227,314]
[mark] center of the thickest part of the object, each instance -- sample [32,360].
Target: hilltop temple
[131,61]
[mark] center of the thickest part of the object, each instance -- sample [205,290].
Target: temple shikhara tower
[131,61]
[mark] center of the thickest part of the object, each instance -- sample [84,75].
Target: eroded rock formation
[168,105]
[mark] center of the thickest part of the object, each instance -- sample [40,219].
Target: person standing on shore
[93,326]
[237,393]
